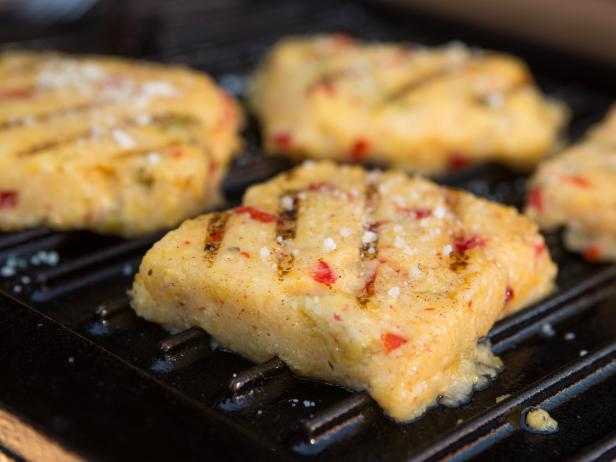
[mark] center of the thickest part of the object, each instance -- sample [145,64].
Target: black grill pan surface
[81,368]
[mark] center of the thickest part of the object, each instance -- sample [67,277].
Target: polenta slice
[425,110]
[577,190]
[376,281]
[108,144]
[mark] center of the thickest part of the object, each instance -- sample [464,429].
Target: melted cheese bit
[540,421]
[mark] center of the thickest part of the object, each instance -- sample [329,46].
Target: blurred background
[138,27]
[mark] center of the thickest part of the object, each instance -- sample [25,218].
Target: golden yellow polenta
[376,281]
[108,144]
[421,109]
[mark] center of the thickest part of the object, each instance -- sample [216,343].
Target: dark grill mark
[369,251]
[215,234]
[286,227]
[483,100]
[83,107]
[459,261]
[416,84]
[126,122]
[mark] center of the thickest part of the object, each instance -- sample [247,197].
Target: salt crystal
[569,336]
[547,329]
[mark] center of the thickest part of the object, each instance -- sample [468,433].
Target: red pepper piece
[392,341]
[114,81]
[578,181]
[321,187]
[245,254]
[535,199]
[509,294]
[15,93]
[457,162]
[592,253]
[462,244]
[256,214]
[176,153]
[337,317]
[8,199]
[539,248]
[417,214]
[283,139]
[227,115]
[342,41]
[323,273]
[359,149]
[329,87]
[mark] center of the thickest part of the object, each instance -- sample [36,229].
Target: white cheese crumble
[345,232]
[394,292]
[144,119]
[286,202]
[494,100]
[264,253]
[123,139]
[159,88]
[414,272]
[329,244]
[399,243]
[439,212]
[368,237]
[153,158]
[447,249]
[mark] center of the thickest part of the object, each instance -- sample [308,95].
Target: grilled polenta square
[376,281]
[421,109]
[577,190]
[109,144]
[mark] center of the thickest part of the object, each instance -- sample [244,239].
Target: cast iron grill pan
[83,369]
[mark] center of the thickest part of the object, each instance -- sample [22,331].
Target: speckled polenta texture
[577,191]
[108,144]
[421,109]
[375,280]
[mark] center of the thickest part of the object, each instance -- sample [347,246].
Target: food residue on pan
[540,421]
